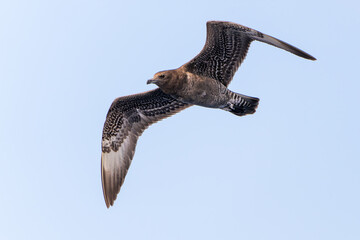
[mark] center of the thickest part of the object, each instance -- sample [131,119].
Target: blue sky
[290,171]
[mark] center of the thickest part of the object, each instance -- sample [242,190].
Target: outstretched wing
[127,118]
[226,47]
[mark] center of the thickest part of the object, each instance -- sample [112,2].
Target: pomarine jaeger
[202,81]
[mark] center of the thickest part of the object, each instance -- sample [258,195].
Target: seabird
[202,81]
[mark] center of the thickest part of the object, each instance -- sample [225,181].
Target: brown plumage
[202,81]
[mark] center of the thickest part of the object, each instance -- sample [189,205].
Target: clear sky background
[290,171]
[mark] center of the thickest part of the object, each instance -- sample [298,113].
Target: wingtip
[307,56]
[103,181]
[108,202]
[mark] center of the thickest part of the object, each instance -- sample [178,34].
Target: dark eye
[161,76]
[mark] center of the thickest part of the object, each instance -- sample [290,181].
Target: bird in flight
[202,81]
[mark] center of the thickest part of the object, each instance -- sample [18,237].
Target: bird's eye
[161,76]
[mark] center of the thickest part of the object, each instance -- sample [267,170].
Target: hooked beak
[151,81]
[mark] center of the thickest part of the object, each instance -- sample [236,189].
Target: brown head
[168,81]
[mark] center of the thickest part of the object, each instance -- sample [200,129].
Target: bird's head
[169,81]
[161,78]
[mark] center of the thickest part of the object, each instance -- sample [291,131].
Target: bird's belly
[204,97]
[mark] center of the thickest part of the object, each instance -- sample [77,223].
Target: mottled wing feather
[226,47]
[127,118]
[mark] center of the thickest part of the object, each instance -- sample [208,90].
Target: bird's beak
[151,81]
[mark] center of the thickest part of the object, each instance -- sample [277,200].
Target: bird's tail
[241,105]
